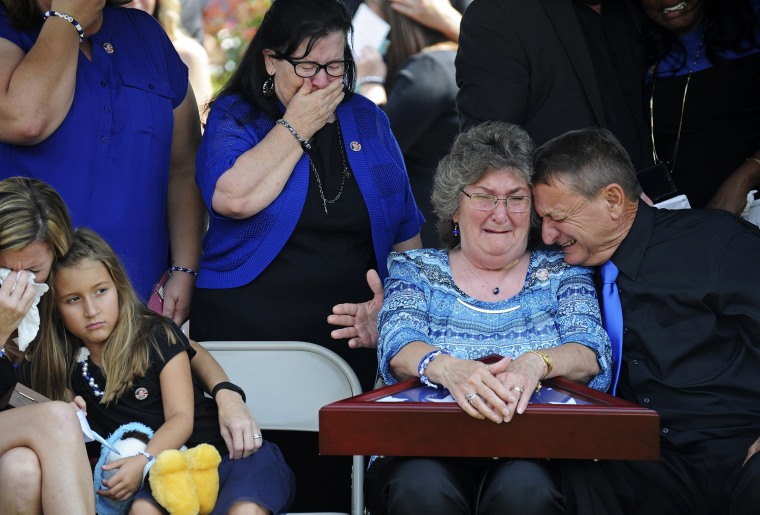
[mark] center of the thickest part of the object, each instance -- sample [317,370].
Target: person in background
[441,15]
[306,190]
[417,90]
[103,88]
[192,53]
[554,65]
[486,293]
[704,75]
[191,16]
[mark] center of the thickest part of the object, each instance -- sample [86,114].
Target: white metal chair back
[286,383]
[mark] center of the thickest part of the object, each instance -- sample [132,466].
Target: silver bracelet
[370,79]
[69,19]
[304,144]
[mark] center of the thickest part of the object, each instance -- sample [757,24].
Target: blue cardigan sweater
[236,251]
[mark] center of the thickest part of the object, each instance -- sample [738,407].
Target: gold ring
[517,389]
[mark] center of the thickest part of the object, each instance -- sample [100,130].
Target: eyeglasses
[486,202]
[308,69]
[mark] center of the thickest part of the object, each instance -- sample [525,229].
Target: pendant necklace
[82,359]
[497,290]
[345,175]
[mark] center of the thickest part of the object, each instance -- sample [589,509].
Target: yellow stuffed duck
[184,482]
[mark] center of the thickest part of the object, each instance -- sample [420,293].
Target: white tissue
[752,209]
[30,324]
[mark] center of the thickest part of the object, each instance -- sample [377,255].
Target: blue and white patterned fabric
[556,305]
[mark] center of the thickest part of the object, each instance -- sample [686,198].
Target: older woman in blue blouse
[486,294]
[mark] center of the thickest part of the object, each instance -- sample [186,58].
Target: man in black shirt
[689,286]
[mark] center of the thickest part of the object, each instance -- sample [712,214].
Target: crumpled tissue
[30,324]
[752,209]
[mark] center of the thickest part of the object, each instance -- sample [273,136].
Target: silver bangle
[304,144]
[371,79]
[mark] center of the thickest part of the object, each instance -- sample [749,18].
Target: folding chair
[286,383]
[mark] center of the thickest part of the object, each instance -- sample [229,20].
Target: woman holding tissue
[40,470]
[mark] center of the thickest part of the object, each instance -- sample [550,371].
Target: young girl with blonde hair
[128,364]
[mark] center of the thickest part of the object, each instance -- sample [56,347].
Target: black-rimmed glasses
[487,202]
[308,69]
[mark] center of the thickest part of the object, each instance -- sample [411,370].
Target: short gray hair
[586,160]
[486,147]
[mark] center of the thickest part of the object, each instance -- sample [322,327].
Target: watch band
[226,385]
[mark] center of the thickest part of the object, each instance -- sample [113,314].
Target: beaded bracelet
[424,362]
[183,269]
[371,79]
[304,144]
[69,19]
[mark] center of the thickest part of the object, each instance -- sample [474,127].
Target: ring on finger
[516,389]
[470,397]
[257,436]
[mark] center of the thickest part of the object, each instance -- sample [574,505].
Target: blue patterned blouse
[556,305]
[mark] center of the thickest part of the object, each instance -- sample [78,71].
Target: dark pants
[701,479]
[399,486]
[745,499]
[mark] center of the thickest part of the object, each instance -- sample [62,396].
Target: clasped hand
[496,391]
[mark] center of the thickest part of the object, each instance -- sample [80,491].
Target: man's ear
[614,196]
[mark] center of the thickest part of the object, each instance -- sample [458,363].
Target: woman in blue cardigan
[306,190]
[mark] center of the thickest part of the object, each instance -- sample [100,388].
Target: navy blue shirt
[109,159]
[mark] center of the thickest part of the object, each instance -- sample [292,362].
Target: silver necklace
[346,174]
